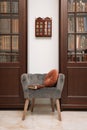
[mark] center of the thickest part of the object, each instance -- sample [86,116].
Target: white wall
[43,53]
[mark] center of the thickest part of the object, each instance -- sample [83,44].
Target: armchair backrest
[36,78]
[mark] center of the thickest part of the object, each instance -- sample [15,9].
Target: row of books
[81,42]
[81,24]
[79,57]
[5,26]
[5,7]
[80,6]
[5,43]
[8,58]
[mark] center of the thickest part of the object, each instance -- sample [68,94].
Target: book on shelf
[85,24]
[15,7]
[4,7]
[4,25]
[15,43]
[70,24]
[86,7]
[71,6]
[5,57]
[81,6]
[5,43]
[15,25]
[70,42]
[81,43]
[15,58]
[81,24]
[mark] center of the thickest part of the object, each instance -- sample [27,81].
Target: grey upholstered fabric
[46,92]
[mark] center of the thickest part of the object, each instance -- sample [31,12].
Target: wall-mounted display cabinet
[43,27]
[73,52]
[12,51]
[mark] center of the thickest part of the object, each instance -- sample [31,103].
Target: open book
[36,86]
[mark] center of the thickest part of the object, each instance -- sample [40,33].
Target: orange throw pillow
[51,78]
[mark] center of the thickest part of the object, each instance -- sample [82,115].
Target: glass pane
[15,7]
[71,48]
[9,57]
[4,7]
[71,23]
[81,23]
[5,57]
[4,26]
[5,44]
[71,56]
[81,48]
[81,6]
[15,26]
[15,57]
[81,42]
[71,5]
[15,45]
[71,42]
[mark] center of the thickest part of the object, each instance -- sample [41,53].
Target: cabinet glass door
[77,31]
[9,31]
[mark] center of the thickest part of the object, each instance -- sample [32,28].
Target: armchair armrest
[60,82]
[25,83]
[25,80]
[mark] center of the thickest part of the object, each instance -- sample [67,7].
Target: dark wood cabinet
[73,53]
[13,51]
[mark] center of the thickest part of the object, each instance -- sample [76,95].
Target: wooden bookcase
[13,51]
[73,53]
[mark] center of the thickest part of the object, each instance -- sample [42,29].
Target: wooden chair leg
[25,108]
[32,104]
[58,108]
[52,104]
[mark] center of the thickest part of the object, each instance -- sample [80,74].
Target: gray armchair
[53,92]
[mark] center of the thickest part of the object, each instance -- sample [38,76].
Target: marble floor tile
[43,119]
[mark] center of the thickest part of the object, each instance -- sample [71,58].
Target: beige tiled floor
[43,119]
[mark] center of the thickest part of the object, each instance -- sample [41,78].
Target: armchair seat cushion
[45,92]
